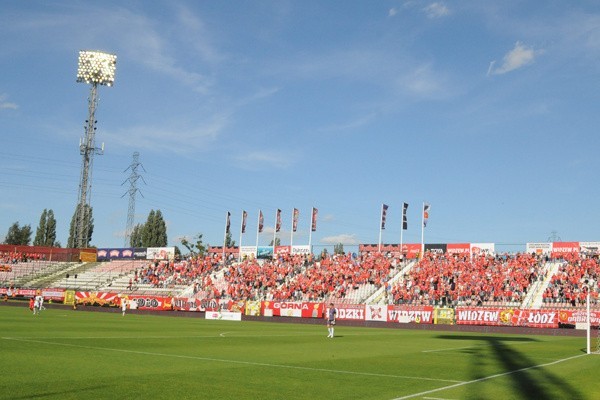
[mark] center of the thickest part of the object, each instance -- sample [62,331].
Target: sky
[488,111]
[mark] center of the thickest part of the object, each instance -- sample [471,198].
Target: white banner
[539,248]
[248,252]
[300,249]
[224,315]
[376,313]
[482,248]
[160,253]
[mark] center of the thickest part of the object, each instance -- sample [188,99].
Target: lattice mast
[134,176]
[94,68]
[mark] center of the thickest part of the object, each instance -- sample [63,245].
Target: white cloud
[174,139]
[392,12]
[423,82]
[6,105]
[265,158]
[343,238]
[436,10]
[518,57]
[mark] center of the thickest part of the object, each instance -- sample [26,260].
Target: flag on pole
[426,207]
[314,219]
[384,209]
[404,219]
[244,216]
[261,221]
[228,222]
[278,221]
[295,219]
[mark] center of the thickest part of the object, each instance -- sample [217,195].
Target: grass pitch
[63,354]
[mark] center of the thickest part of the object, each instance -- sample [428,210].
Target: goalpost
[593,343]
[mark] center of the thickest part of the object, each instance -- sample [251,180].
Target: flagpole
[380,226]
[257,229]
[292,232]
[312,215]
[423,230]
[225,236]
[240,246]
[275,231]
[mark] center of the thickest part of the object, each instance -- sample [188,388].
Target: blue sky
[486,110]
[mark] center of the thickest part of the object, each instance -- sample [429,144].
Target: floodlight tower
[94,68]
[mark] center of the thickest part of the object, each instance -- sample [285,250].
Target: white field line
[230,334]
[487,378]
[333,371]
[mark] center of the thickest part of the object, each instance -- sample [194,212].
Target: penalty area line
[410,396]
[259,364]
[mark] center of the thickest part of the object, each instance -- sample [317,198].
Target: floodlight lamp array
[96,67]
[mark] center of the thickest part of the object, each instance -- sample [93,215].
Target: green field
[63,354]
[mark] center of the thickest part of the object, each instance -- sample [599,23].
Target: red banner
[349,312]
[411,250]
[282,250]
[573,317]
[97,299]
[193,304]
[291,309]
[459,248]
[560,249]
[507,317]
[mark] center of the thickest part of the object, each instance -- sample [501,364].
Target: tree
[40,232]
[154,232]
[338,249]
[277,242]
[229,242]
[45,234]
[73,241]
[18,235]
[136,236]
[197,248]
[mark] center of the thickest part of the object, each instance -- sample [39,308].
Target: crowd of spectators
[446,279]
[168,274]
[302,278]
[575,276]
[14,257]
[436,279]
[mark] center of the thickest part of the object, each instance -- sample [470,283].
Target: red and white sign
[415,314]
[506,317]
[349,312]
[291,309]
[458,248]
[376,313]
[152,302]
[561,248]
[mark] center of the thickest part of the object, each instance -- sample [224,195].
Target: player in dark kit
[331,313]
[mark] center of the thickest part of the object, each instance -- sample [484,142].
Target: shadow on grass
[530,382]
[66,392]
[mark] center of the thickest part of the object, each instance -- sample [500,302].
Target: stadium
[190,111]
[454,322]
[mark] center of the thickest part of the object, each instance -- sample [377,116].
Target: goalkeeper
[331,313]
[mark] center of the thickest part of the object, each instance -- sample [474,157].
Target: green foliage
[18,235]
[195,249]
[338,248]
[153,233]
[45,234]
[277,242]
[229,242]
[136,236]
[88,226]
